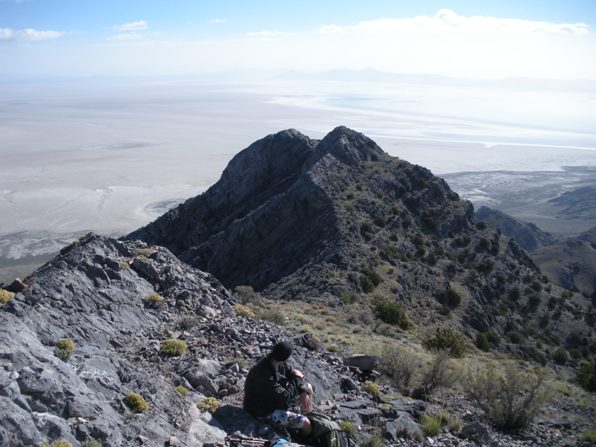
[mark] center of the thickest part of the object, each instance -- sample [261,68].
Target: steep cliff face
[346,222]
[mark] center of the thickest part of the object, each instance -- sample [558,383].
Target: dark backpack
[326,432]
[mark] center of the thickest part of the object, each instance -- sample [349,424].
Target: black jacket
[267,389]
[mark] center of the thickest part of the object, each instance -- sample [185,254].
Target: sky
[551,39]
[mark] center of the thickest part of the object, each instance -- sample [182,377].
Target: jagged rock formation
[324,220]
[94,293]
[527,235]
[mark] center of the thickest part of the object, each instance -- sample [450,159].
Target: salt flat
[111,155]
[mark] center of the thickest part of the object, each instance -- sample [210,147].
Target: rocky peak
[349,147]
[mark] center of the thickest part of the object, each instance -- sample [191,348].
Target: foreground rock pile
[102,294]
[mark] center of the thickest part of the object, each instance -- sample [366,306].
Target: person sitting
[276,393]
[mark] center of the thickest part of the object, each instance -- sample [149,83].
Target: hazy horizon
[111,112]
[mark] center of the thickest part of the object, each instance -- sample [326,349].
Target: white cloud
[446,20]
[444,44]
[28,35]
[218,21]
[139,25]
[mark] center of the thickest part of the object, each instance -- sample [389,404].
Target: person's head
[281,352]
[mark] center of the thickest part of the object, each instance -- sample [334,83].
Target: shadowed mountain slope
[339,220]
[526,234]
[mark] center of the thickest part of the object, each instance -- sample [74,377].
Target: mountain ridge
[357,225]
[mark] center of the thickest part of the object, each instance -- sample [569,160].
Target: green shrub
[440,374]
[347,426]
[173,347]
[273,315]
[5,296]
[589,436]
[371,388]
[154,300]
[60,443]
[369,279]
[561,356]
[512,400]
[482,341]
[366,284]
[431,424]
[91,442]
[515,337]
[586,375]
[148,251]
[391,313]
[135,402]
[400,364]
[210,404]
[446,339]
[244,311]
[182,390]
[64,347]
[452,298]
[347,297]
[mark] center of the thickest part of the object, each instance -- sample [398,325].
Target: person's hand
[298,374]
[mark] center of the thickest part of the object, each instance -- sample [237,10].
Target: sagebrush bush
[371,388]
[135,402]
[244,311]
[182,390]
[431,424]
[210,404]
[586,375]
[246,295]
[510,400]
[144,251]
[452,298]
[401,365]
[173,347]
[91,442]
[391,313]
[5,296]
[561,356]
[589,436]
[446,339]
[482,341]
[441,373]
[273,315]
[154,300]
[347,426]
[60,443]
[64,347]
[369,279]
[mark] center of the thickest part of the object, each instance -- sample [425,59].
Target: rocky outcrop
[95,294]
[527,235]
[117,301]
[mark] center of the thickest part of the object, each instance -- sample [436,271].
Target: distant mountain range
[372,75]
